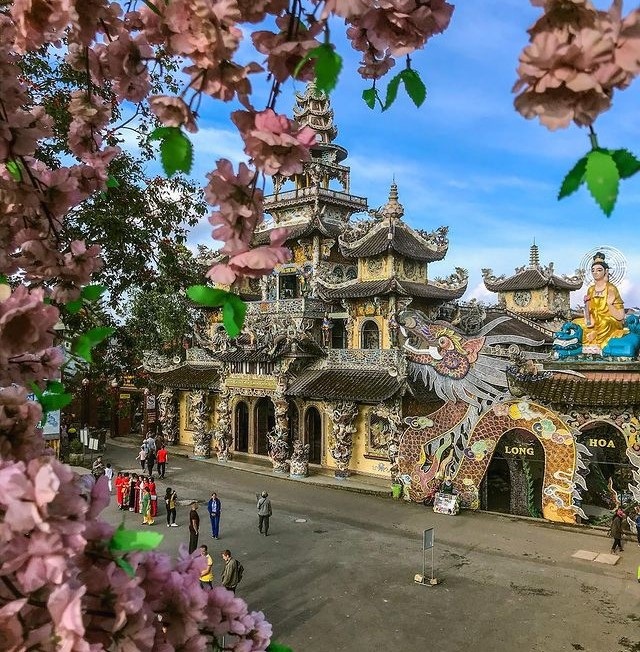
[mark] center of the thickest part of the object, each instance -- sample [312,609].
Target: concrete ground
[337,570]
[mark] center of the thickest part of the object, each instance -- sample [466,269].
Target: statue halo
[615,259]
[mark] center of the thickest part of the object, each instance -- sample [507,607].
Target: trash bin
[396,491]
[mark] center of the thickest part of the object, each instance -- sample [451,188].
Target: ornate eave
[530,279]
[606,388]
[362,289]
[339,383]
[188,376]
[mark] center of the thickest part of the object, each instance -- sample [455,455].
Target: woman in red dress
[118,485]
[154,496]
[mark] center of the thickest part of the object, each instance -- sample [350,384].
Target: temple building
[317,375]
[356,359]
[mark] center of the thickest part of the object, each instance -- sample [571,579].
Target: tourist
[97,468]
[142,457]
[194,526]
[154,496]
[118,485]
[145,507]
[151,460]
[171,501]
[162,461]
[615,532]
[264,512]
[149,444]
[109,475]
[133,480]
[206,577]
[214,506]
[232,571]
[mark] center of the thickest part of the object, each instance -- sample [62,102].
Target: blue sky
[466,159]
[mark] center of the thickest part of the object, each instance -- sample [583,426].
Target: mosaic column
[198,417]
[393,415]
[222,432]
[168,415]
[279,436]
[299,462]
[341,444]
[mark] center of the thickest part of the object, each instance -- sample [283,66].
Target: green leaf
[369,96]
[35,389]
[3,279]
[328,67]
[54,387]
[126,566]
[131,540]
[207,296]
[626,162]
[278,647]
[112,182]
[233,315]
[13,168]
[51,402]
[74,307]
[176,152]
[93,292]
[160,133]
[84,343]
[414,86]
[602,179]
[574,179]
[392,91]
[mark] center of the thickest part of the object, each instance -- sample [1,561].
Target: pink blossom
[26,322]
[66,611]
[255,11]
[275,143]
[173,112]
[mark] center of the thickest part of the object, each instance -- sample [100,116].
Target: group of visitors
[232,571]
[149,454]
[137,493]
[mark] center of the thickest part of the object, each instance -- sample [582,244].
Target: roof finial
[393,208]
[534,257]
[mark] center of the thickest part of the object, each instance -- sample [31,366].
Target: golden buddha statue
[603,309]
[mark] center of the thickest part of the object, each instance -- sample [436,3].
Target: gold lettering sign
[519,450]
[601,443]
[252,382]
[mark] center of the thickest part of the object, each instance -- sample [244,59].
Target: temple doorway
[313,430]
[242,427]
[265,423]
[513,482]
[608,472]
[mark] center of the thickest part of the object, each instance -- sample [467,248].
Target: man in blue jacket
[214,507]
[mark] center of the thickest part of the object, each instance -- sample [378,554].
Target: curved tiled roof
[368,385]
[592,388]
[299,231]
[399,237]
[361,289]
[531,279]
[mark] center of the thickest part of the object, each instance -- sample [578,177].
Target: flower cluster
[577,57]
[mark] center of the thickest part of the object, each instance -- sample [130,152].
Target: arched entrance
[370,336]
[514,478]
[313,432]
[265,422]
[608,472]
[241,427]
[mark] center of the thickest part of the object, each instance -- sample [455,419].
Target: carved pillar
[198,417]
[279,436]
[222,431]
[299,462]
[168,415]
[393,415]
[341,445]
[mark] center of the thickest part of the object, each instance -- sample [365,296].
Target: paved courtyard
[336,572]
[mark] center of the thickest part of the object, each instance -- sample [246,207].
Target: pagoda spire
[534,257]
[393,209]
[313,109]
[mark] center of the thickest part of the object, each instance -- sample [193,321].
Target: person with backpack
[232,572]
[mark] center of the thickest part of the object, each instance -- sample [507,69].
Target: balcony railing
[314,191]
[384,358]
[300,307]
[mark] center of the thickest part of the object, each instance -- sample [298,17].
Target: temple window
[370,336]
[338,335]
[288,286]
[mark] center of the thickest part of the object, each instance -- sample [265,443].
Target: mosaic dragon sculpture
[458,439]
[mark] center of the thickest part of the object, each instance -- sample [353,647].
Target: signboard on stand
[446,504]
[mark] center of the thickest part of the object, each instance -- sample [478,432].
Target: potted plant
[76,453]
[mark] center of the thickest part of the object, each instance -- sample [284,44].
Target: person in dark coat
[194,527]
[264,512]
[214,506]
[616,530]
